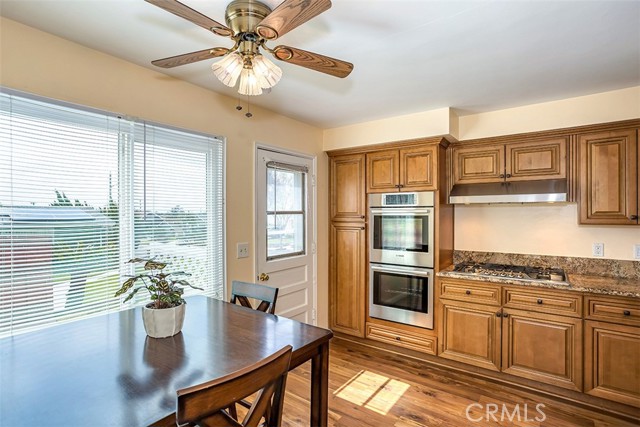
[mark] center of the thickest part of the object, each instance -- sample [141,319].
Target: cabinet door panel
[536,160]
[609,177]
[418,169]
[612,362]
[478,164]
[543,348]
[382,171]
[348,202]
[347,278]
[471,334]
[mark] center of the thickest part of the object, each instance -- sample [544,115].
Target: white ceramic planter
[164,322]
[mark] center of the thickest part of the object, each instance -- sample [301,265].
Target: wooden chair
[242,291]
[204,405]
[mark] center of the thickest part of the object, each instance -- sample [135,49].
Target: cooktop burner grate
[511,271]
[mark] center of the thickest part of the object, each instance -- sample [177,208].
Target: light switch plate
[636,251]
[598,249]
[243,250]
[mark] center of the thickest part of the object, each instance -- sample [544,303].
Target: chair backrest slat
[267,295]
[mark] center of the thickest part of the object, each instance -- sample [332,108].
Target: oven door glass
[401,232]
[401,290]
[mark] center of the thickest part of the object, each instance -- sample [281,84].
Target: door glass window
[286,213]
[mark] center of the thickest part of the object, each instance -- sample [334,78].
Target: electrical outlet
[636,251]
[598,249]
[243,250]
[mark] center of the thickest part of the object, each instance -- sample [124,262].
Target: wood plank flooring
[370,387]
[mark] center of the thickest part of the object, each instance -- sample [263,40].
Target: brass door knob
[263,277]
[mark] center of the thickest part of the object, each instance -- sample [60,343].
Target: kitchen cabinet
[612,349]
[521,161]
[348,198]
[347,269]
[609,178]
[505,328]
[404,169]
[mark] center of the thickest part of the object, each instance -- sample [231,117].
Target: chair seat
[219,419]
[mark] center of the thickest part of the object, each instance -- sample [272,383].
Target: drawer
[424,344]
[613,309]
[470,291]
[544,301]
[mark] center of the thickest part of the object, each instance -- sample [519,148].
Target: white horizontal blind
[70,209]
[178,204]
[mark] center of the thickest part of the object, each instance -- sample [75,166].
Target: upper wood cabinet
[347,184]
[405,169]
[523,161]
[609,178]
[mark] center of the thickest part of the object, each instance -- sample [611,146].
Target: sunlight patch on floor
[373,391]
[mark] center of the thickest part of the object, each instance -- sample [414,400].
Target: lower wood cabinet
[347,275]
[511,330]
[542,347]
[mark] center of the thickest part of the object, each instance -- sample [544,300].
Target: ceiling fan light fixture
[249,83]
[268,73]
[228,69]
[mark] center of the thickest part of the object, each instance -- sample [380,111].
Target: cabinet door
[609,177]
[471,334]
[612,362]
[478,164]
[543,347]
[536,160]
[348,199]
[382,171]
[347,271]
[419,169]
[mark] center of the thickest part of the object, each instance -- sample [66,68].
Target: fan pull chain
[248,114]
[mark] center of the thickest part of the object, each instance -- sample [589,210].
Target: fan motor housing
[242,16]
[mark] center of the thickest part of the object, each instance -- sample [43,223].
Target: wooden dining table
[105,371]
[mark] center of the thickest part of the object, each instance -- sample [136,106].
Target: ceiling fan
[250,24]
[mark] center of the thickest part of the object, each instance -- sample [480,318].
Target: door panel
[478,164]
[536,160]
[348,193]
[285,231]
[382,171]
[418,169]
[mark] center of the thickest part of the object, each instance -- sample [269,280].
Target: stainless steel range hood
[549,190]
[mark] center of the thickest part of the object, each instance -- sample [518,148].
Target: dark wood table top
[106,371]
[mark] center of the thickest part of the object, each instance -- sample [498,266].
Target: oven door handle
[422,272]
[396,211]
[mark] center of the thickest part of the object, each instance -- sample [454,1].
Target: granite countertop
[575,282]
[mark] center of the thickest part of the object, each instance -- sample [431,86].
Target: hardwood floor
[369,387]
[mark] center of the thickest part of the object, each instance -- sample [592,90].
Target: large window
[81,192]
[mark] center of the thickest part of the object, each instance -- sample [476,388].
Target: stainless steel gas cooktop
[519,272]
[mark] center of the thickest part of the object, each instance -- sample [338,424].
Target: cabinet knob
[498,314]
[539,301]
[501,175]
[361,228]
[508,175]
[361,216]
[468,292]
[505,315]
[397,338]
[626,313]
[633,217]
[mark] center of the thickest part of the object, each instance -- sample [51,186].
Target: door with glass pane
[284,231]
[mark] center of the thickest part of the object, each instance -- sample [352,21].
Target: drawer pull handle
[539,301]
[505,315]
[398,338]
[626,313]
[468,292]
[498,314]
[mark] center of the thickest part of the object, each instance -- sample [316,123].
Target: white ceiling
[409,56]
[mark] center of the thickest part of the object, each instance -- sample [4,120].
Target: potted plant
[164,315]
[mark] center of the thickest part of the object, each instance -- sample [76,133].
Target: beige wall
[42,64]
[527,229]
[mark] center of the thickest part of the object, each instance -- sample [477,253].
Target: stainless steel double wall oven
[401,249]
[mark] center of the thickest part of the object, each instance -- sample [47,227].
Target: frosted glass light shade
[228,69]
[267,72]
[249,83]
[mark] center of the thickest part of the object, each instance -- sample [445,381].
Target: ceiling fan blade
[288,15]
[313,61]
[191,15]
[189,58]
